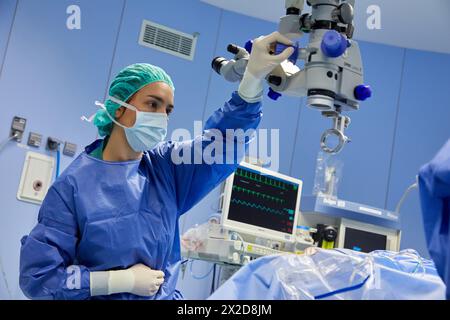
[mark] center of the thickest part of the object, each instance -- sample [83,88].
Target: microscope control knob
[333,44]
[248,46]
[363,92]
[273,94]
[344,13]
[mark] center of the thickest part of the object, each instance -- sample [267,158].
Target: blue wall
[423,126]
[52,76]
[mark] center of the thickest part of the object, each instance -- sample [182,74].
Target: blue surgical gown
[101,215]
[434,184]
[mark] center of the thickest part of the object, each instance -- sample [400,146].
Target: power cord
[213,282]
[4,279]
[405,194]
[5,142]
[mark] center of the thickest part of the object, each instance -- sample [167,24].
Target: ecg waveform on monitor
[261,207]
[258,194]
[263,179]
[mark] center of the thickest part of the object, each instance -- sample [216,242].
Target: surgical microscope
[332,76]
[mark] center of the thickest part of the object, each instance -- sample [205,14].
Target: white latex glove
[139,280]
[260,64]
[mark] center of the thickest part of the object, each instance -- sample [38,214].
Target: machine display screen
[263,200]
[364,241]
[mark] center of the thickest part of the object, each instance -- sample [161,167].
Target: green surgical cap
[129,81]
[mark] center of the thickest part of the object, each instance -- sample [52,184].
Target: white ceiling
[415,24]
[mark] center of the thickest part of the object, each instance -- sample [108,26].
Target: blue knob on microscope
[248,46]
[273,94]
[280,47]
[333,44]
[363,92]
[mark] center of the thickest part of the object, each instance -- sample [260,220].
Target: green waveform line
[258,194]
[256,206]
[261,179]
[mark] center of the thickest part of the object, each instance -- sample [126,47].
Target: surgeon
[108,226]
[434,185]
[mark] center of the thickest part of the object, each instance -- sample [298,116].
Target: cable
[183,267]
[4,279]
[405,194]
[197,277]
[58,160]
[219,207]
[5,142]
[413,254]
[213,280]
[219,275]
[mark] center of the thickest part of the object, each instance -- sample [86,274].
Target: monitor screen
[263,200]
[364,241]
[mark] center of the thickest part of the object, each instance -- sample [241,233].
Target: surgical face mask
[149,129]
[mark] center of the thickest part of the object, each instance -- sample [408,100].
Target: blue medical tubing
[58,160]
[202,277]
[332,293]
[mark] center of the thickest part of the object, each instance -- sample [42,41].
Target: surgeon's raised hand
[261,63]
[139,280]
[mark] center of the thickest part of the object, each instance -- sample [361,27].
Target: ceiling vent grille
[168,40]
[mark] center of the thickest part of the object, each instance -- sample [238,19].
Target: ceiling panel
[415,24]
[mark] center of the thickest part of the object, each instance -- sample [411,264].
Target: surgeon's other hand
[260,64]
[139,280]
[146,280]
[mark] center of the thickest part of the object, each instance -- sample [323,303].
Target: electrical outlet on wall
[36,177]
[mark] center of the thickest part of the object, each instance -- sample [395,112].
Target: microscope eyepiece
[217,63]
[232,48]
[293,11]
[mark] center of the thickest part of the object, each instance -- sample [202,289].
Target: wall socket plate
[36,177]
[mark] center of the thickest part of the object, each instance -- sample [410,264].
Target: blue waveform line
[256,206]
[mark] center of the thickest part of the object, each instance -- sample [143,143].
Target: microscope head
[335,71]
[332,78]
